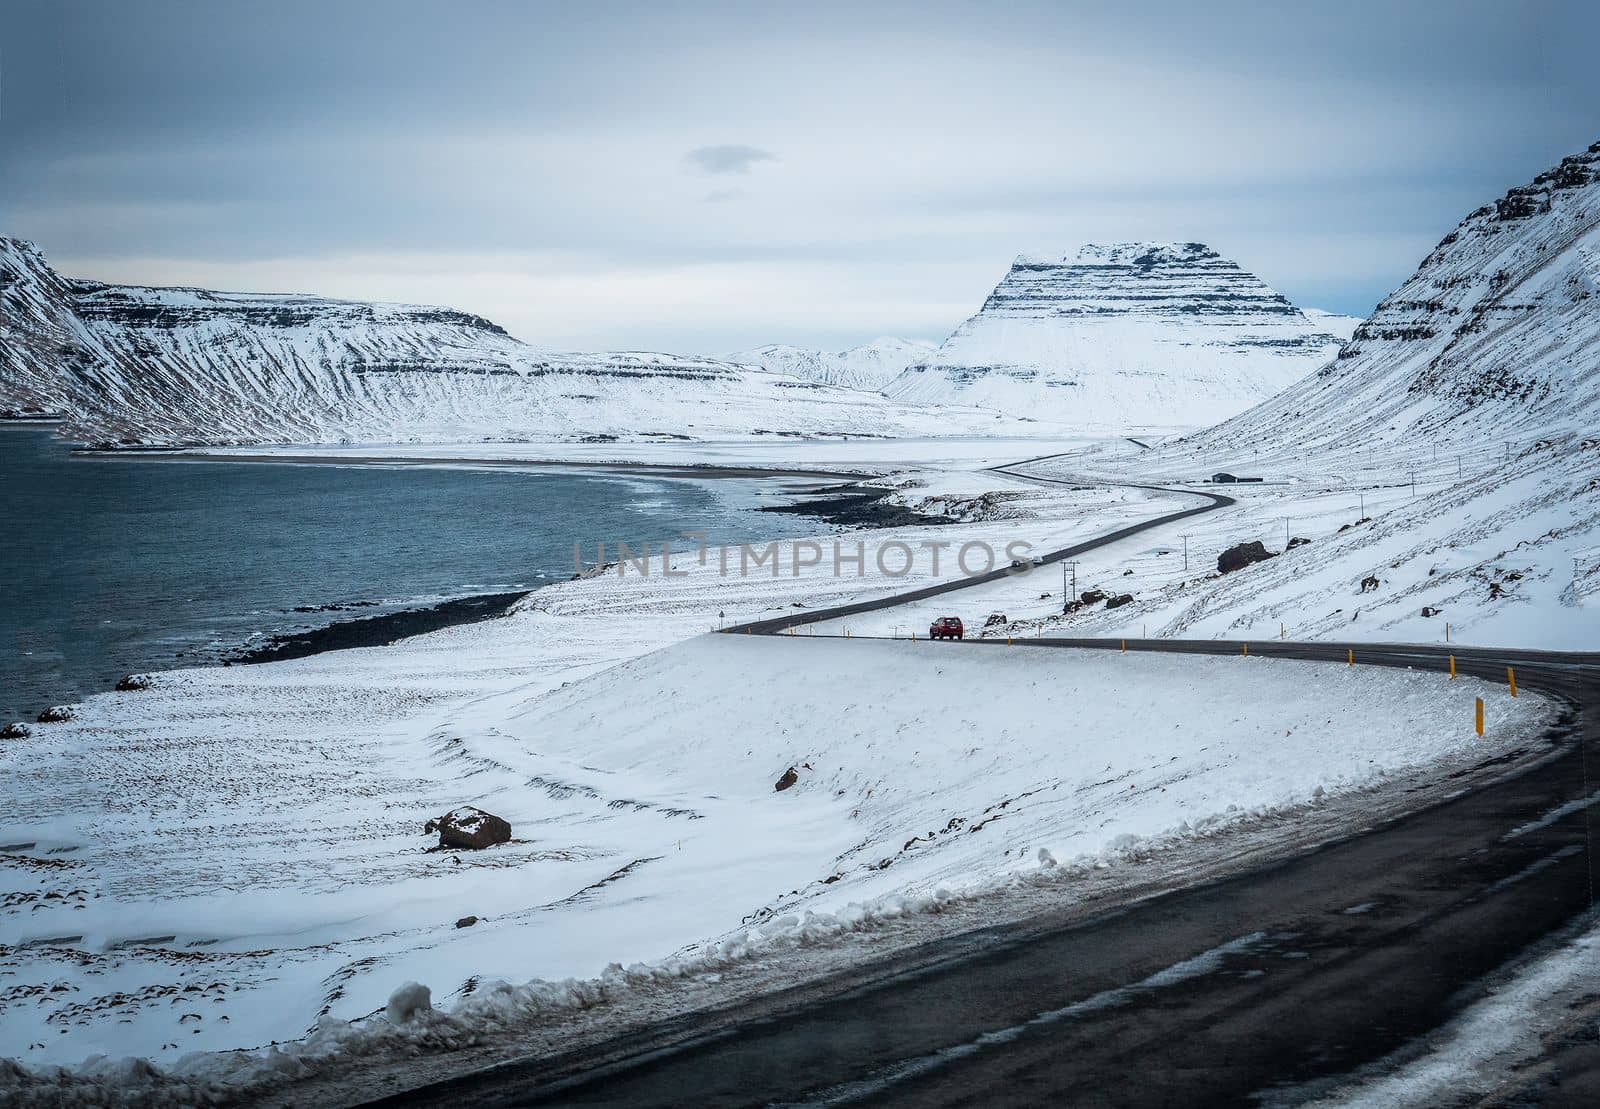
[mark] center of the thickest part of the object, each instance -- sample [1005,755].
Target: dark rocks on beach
[134,682]
[56,714]
[852,506]
[469,827]
[16,730]
[790,777]
[373,631]
[1240,555]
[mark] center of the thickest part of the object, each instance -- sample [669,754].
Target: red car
[946,627]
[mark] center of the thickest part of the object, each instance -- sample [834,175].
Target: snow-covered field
[224,859]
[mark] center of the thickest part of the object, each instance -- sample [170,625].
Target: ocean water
[110,566]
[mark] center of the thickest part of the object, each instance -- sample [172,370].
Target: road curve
[1267,985]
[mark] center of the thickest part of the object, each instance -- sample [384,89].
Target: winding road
[1270,985]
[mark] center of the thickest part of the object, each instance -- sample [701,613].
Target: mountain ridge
[133,366]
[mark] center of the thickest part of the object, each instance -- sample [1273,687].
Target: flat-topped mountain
[136,366]
[1121,336]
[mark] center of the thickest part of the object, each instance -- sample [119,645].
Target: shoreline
[708,470]
[836,503]
[864,509]
[378,631]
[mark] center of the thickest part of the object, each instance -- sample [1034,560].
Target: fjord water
[115,565]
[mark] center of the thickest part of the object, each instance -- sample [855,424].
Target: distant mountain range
[135,366]
[1125,335]
[870,366]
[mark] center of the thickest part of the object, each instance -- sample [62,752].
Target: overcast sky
[704,177]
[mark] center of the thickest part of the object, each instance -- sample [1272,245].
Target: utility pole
[1185,554]
[1286,533]
[1363,497]
[1413,483]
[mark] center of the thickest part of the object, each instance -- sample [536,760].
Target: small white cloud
[731,158]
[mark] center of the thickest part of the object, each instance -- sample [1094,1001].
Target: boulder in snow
[1240,555]
[466,922]
[134,682]
[1297,541]
[469,827]
[16,730]
[1370,583]
[1119,600]
[790,777]
[56,714]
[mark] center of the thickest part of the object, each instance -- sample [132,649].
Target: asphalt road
[1267,985]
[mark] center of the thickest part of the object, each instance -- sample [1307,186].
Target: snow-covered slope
[149,366]
[1462,417]
[870,366]
[1124,336]
[1494,337]
[1335,324]
[38,333]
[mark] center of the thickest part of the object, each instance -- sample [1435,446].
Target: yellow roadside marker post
[1480,715]
[1247,650]
[1511,677]
[1124,646]
[1351,661]
[1452,667]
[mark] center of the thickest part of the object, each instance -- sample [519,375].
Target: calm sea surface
[111,566]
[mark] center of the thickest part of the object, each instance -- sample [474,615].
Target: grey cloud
[924,143]
[731,158]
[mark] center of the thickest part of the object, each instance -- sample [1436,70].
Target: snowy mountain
[148,366]
[870,366]
[1340,326]
[38,333]
[1460,420]
[1493,338]
[1123,336]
